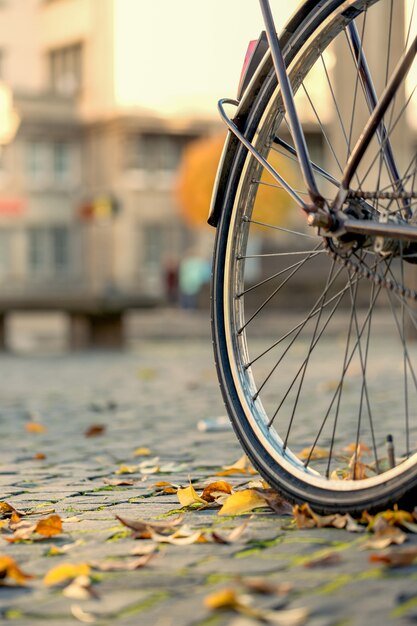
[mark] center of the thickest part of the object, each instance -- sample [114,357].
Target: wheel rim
[315,343]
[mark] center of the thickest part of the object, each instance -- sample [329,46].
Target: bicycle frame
[329,218]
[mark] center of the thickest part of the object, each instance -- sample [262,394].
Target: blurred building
[86,200]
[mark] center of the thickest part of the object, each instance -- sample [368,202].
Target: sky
[193,51]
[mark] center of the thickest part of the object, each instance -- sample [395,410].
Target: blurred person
[194,272]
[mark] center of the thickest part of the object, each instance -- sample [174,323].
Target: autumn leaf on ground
[234,536]
[35,427]
[127,469]
[305,517]
[7,510]
[141,451]
[121,482]
[188,496]
[241,466]
[313,454]
[9,569]
[66,571]
[215,489]
[230,599]
[391,517]
[184,536]
[391,535]
[275,502]
[242,502]
[82,616]
[397,558]
[265,587]
[359,448]
[80,589]
[39,456]
[95,430]
[50,526]
[122,565]
[331,558]
[143,528]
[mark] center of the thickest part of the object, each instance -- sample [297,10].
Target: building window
[156,151]
[153,246]
[51,164]
[48,250]
[65,66]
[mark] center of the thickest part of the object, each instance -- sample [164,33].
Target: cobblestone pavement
[152,396]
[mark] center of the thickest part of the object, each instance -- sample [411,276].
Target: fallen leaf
[95,430]
[142,550]
[391,535]
[332,558]
[397,558]
[242,502]
[122,482]
[184,536]
[121,565]
[275,502]
[142,452]
[234,536]
[146,526]
[66,571]
[219,487]
[360,449]
[80,589]
[263,586]
[313,454]
[7,510]
[10,569]
[127,469]
[241,466]
[39,456]
[81,615]
[50,526]
[35,427]
[224,599]
[305,517]
[188,496]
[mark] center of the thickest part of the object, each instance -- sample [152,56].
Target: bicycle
[312,303]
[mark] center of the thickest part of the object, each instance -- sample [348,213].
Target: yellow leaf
[317,453]
[127,469]
[66,571]
[6,509]
[226,598]
[50,526]
[142,452]
[242,502]
[10,569]
[189,496]
[35,427]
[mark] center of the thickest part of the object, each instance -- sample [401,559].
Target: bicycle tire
[312,30]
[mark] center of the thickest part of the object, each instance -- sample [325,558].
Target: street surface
[152,396]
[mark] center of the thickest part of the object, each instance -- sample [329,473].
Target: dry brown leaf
[80,589]
[50,526]
[122,482]
[265,587]
[121,565]
[219,487]
[184,536]
[95,430]
[360,449]
[189,496]
[81,615]
[23,531]
[242,502]
[39,456]
[305,517]
[66,571]
[139,525]
[35,427]
[332,558]
[142,550]
[397,558]
[275,502]
[234,536]
[391,535]
[10,569]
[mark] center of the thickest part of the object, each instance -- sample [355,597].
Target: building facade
[86,202]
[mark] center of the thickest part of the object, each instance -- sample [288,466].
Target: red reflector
[248,56]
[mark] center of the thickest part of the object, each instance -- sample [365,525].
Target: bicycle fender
[257,70]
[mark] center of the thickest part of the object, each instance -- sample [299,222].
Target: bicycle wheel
[312,336]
